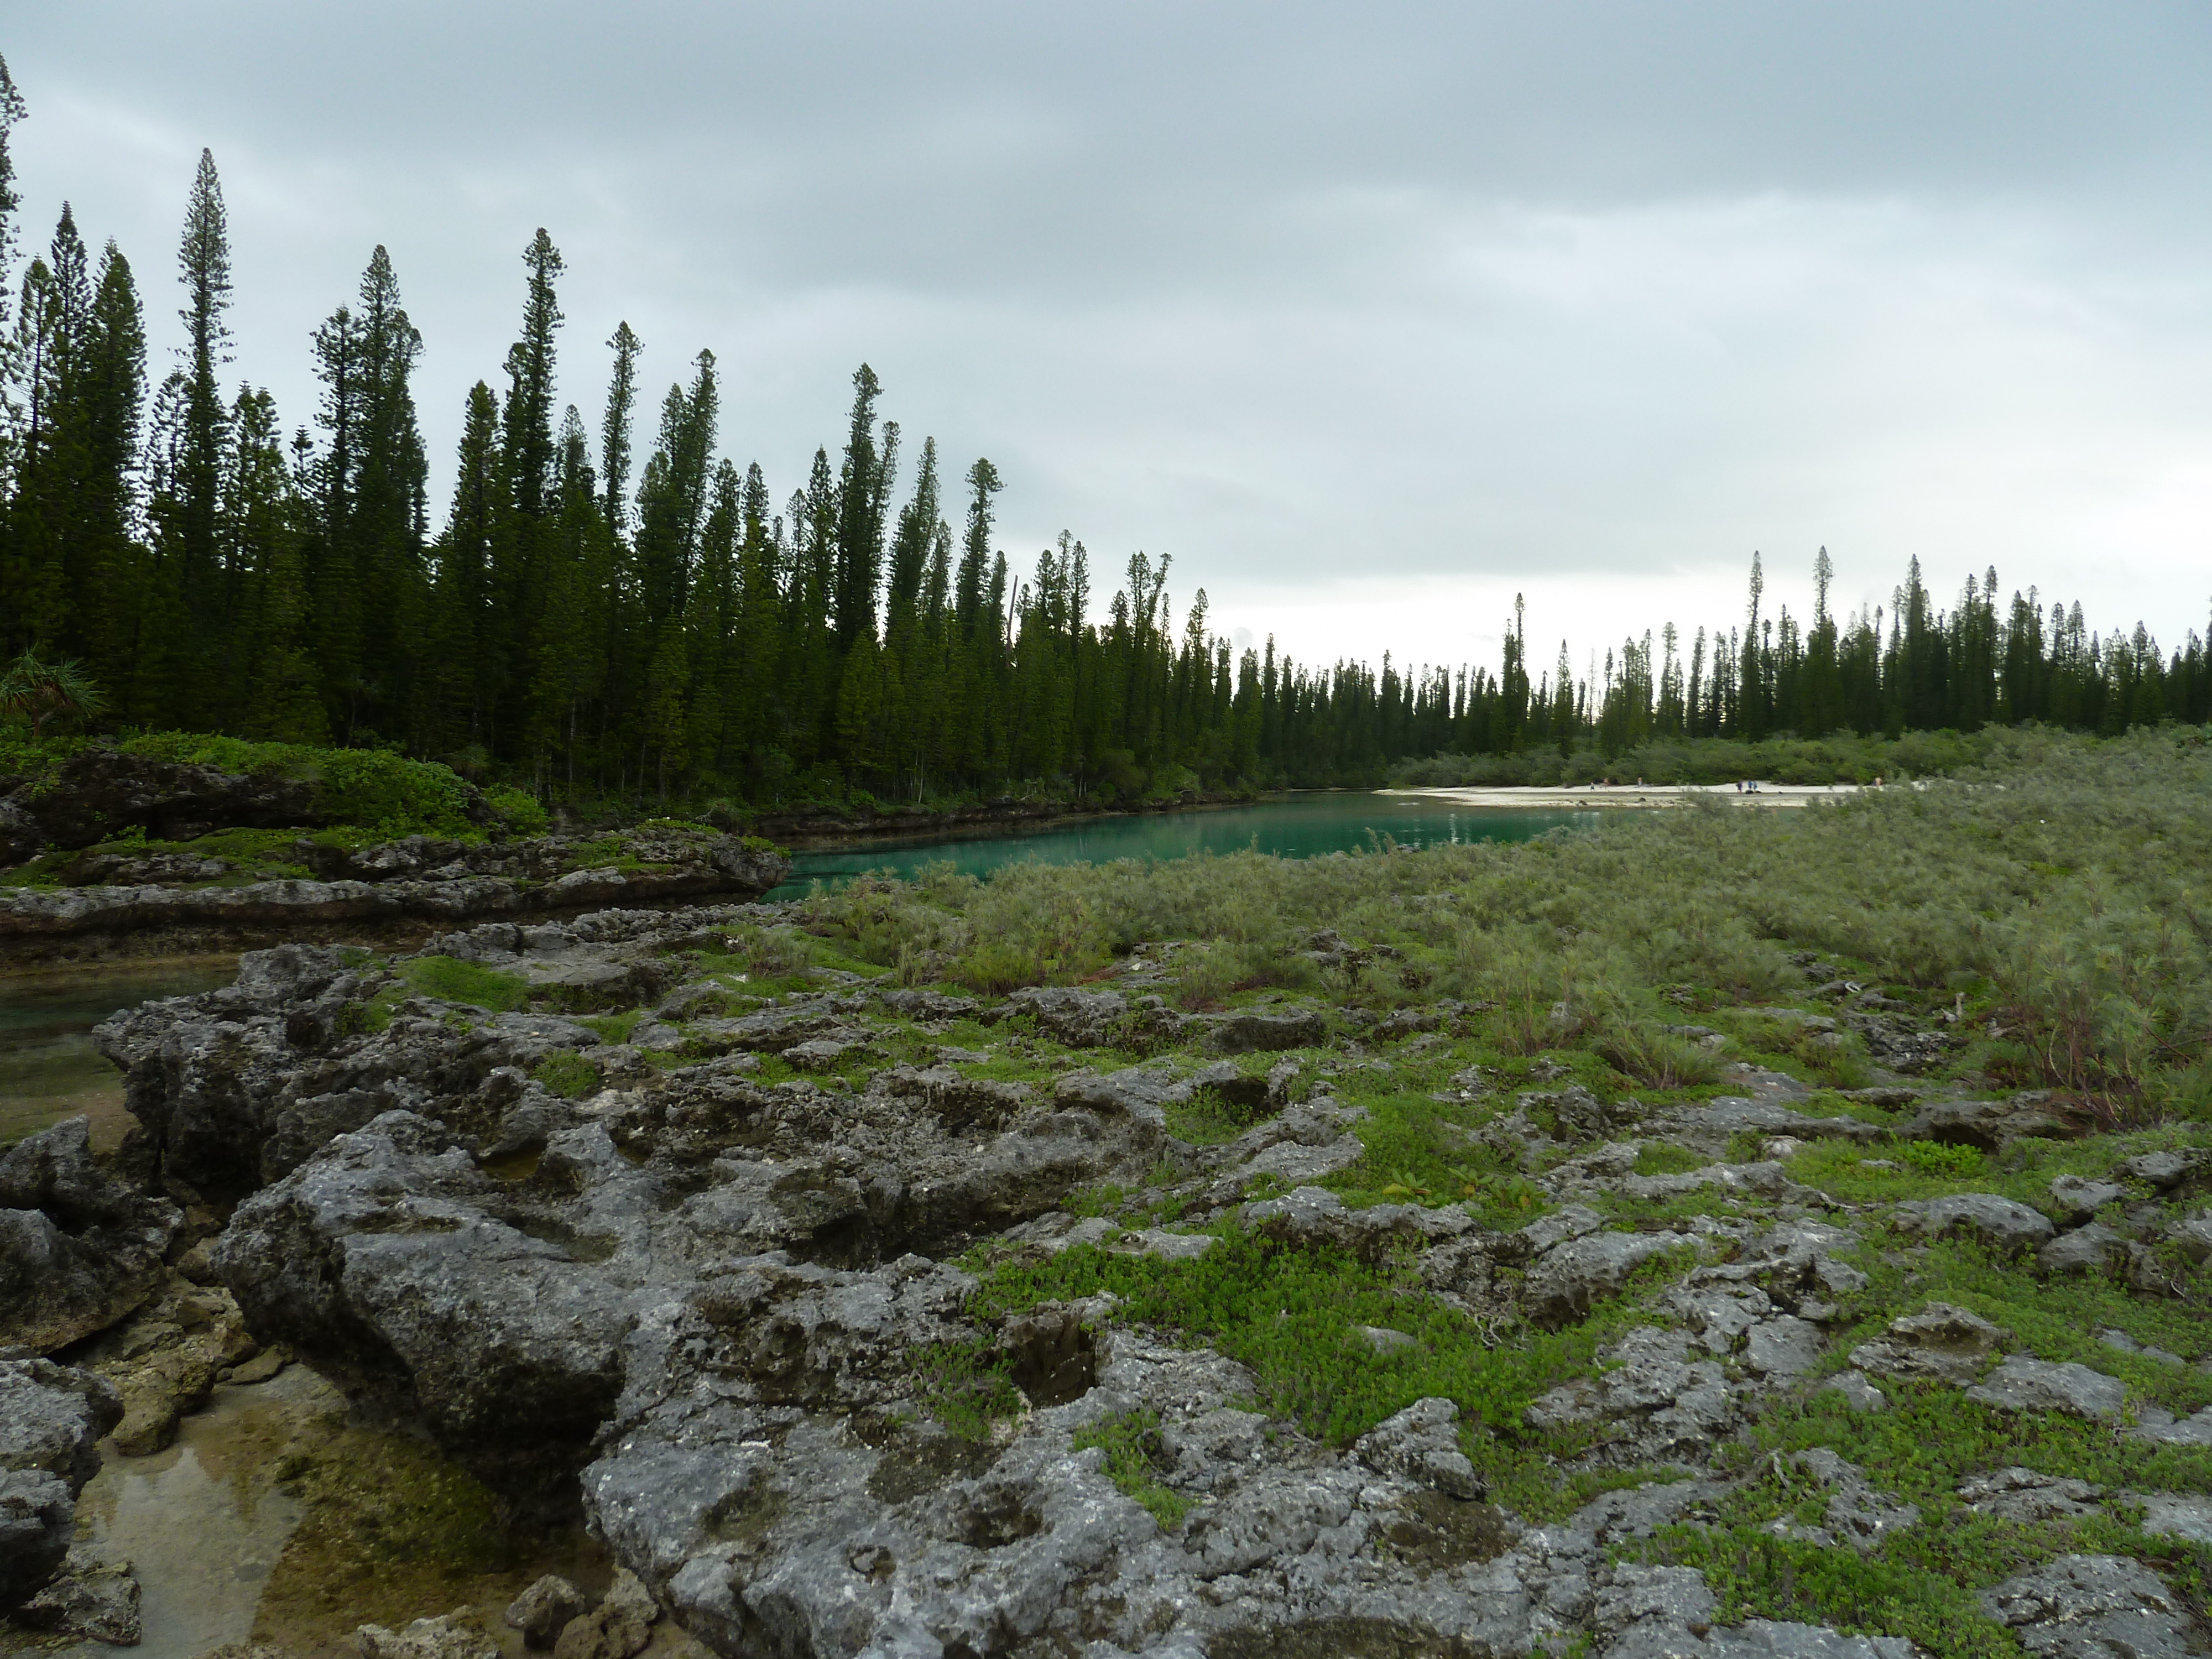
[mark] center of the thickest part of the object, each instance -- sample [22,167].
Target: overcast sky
[1371,317]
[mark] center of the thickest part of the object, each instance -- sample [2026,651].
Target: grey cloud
[1455,292]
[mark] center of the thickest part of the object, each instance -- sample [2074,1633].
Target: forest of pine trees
[593,629]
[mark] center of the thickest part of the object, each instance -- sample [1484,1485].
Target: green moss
[1936,1157]
[1208,1119]
[611,1028]
[1135,1459]
[1659,1157]
[387,1525]
[451,980]
[568,1074]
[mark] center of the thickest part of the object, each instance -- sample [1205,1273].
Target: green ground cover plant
[1135,1458]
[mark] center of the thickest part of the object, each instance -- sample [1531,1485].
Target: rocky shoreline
[387,893]
[868,1319]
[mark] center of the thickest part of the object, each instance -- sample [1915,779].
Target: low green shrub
[1936,1157]
[519,811]
[967,1385]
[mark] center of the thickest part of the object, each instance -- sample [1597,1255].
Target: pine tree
[864,484]
[614,439]
[204,263]
[12,110]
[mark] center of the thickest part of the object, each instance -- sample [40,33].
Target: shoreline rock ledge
[390,887]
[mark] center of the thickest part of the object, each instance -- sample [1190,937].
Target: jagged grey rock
[448,1637]
[544,1609]
[1856,1514]
[1784,1346]
[1661,1398]
[2169,1515]
[2019,1494]
[2079,1198]
[51,1419]
[1999,1222]
[89,1597]
[1314,1215]
[1081,1019]
[79,1249]
[1856,1392]
[620,1626]
[2095,1606]
[1941,1341]
[1421,1443]
[2091,1248]
[399,882]
[1249,1031]
[1567,1280]
[2166,1170]
[2020,1384]
[1989,1125]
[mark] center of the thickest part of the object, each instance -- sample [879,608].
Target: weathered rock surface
[1567,1280]
[78,1249]
[2020,1384]
[51,1419]
[2092,1248]
[397,883]
[726,1312]
[543,1610]
[2096,1607]
[1990,1125]
[2000,1223]
[89,1597]
[1941,1342]
[452,1637]
[98,793]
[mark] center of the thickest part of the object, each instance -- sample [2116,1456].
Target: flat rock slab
[2000,1223]
[2167,1515]
[2095,1606]
[2040,1385]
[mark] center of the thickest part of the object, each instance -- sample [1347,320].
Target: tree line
[593,628]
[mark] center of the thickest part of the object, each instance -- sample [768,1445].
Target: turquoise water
[1299,826]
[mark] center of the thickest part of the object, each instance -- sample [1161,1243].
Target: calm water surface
[49,1069]
[1301,826]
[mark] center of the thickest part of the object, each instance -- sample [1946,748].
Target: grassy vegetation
[568,1074]
[2043,914]
[1920,1581]
[2053,897]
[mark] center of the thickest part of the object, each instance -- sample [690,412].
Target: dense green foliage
[580,634]
[371,789]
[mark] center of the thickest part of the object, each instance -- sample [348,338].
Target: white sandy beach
[1637,794]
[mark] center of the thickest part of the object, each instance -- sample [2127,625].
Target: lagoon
[1307,824]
